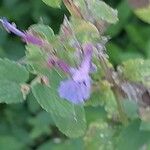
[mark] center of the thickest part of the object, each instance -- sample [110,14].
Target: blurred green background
[27,126]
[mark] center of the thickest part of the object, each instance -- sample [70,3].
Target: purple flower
[59,63]
[27,37]
[77,89]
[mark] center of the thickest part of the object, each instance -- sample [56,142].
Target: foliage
[116,116]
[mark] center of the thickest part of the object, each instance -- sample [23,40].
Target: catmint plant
[73,76]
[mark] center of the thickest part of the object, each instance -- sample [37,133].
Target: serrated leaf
[12,71]
[49,101]
[137,70]
[53,3]
[98,10]
[72,116]
[77,31]
[101,11]
[37,60]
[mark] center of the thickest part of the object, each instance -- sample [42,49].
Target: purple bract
[27,37]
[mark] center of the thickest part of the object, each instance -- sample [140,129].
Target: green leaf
[10,92]
[12,77]
[101,11]
[137,70]
[36,59]
[84,31]
[49,101]
[143,13]
[12,71]
[141,9]
[44,30]
[93,114]
[130,108]
[131,138]
[53,3]
[33,106]
[99,137]
[115,50]
[74,125]
[77,30]
[72,116]
[95,99]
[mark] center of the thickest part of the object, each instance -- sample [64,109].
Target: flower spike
[11,27]
[77,89]
[27,37]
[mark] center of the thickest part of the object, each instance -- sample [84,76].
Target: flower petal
[29,38]
[11,27]
[75,92]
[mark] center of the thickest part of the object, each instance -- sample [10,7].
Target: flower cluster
[79,83]
[26,37]
[77,88]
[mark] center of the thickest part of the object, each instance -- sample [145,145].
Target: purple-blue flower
[27,37]
[77,89]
